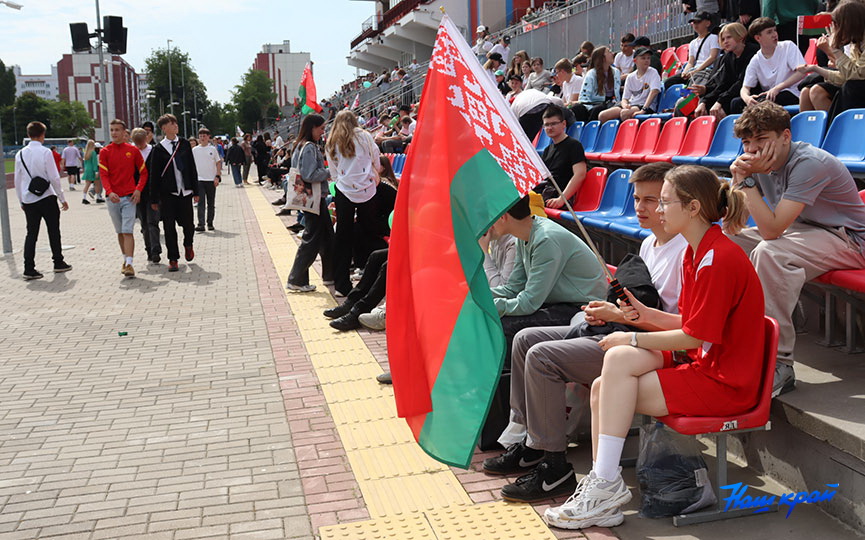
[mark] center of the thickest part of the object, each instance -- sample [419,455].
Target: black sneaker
[346,322]
[297,227]
[200,228]
[517,458]
[155,258]
[211,228]
[544,482]
[85,201]
[338,311]
[62,267]
[32,274]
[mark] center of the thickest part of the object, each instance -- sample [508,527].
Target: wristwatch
[634,339]
[748,182]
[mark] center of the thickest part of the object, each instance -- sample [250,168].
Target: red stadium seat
[589,197]
[682,53]
[756,419]
[699,137]
[624,142]
[645,142]
[669,142]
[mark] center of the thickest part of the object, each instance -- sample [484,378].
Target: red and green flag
[814,25]
[468,162]
[307,92]
[688,104]
[671,65]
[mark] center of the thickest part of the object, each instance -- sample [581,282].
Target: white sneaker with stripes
[596,502]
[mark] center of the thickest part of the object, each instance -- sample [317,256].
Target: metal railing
[386,19]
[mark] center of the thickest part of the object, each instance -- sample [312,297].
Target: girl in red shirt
[719,325]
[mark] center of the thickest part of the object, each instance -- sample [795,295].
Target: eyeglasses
[662,205]
[549,125]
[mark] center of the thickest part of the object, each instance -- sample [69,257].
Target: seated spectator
[546,359]
[515,67]
[772,70]
[529,107]
[503,49]
[726,81]
[641,88]
[712,8]
[570,84]
[526,70]
[554,273]
[515,83]
[702,53]
[499,254]
[500,82]
[539,79]
[601,88]
[720,306]
[624,59]
[483,45]
[587,48]
[811,221]
[565,159]
[398,142]
[655,61]
[493,64]
[848,29]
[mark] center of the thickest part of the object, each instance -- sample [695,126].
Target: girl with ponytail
[718,330]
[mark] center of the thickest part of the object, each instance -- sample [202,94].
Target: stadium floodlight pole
[103,76]
[4,203]
[170,94]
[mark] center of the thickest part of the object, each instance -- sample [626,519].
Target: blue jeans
[235,172]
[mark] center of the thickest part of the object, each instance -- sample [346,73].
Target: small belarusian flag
[672,64]
[688,104]
[356,103]
[307,92]
[814,25]
[468,163]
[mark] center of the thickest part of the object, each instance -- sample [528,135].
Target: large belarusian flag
[468,162]
[307,92]
[813,25]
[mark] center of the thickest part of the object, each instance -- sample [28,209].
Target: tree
[62,118]
[7,85]
[220,119]
[70,118]
[254,99]
[182,74]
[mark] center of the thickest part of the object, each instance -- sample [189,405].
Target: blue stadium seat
[543,141]
[725,146]
[399,163]
[617,198]
[606,137]
[575,130]
[668,101]
[590,135]
[809,127]
[845,139]
[792,109]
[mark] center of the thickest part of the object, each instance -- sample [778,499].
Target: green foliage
[7,85]
[182,75]
[62,118]
[254,99]
[220,119]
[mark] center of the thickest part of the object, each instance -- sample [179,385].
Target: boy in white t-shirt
[704,49]
[641,89]
[208,165]
[772,69]
[624,60]
[570,83]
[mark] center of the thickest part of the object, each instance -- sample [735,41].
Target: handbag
[38,185]
[305,196]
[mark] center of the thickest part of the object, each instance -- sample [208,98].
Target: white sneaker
[299,288]
[596,502]
[374,320]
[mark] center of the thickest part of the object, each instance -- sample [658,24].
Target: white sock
[129,261]
[609,455]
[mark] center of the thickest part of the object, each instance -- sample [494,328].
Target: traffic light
[80,37]
[114,34]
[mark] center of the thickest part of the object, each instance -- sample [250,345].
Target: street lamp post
[183,95]
[170,94]
[103,76]
[14,126]
[4,203]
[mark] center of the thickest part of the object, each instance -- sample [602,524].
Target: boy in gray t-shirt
[812,220]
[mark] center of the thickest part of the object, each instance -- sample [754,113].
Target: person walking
[246,145]
[70,159]
[91,169]
[208,163]
[318,229]
[236,161]
[37,184]
[354,158]
[147,216]
[261,153]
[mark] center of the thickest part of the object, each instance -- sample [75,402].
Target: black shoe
[62,267]
[517,458]
[384,378]
[211,228]
[297,227]
[32,274]
[200,228]
[85,201]
[338,311]
[278,202]
[284,212]
[155,258]
[544,482]
[346,322]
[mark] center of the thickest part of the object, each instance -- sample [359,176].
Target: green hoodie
[784,11]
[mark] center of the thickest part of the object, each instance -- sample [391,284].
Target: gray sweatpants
[785,264]
[542,364]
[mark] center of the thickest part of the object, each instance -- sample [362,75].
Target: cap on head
[641,51]
[701,16]
[481,29]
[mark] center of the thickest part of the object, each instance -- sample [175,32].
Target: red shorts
[688,392]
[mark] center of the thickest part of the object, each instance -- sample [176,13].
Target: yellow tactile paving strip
[409,494]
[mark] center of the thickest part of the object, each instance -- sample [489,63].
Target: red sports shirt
[118,164]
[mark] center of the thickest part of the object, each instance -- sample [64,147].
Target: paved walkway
[228,410]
